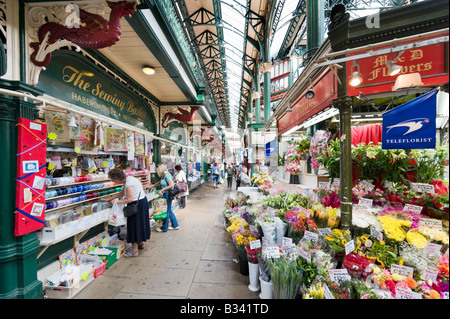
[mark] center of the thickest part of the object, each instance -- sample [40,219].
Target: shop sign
[72,78]
[430,61]
[411,125]
[303,108]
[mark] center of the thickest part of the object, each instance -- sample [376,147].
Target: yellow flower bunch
[434,234]
[236,225]
[315,292]
[393,227]
[417,239]
[397,277]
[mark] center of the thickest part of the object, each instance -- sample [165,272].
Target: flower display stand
[266,289]
[243,263]
[253,270]
[294,179]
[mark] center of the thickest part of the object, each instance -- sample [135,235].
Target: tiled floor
[196,261]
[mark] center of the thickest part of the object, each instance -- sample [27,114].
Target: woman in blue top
[215,174]
[166,183]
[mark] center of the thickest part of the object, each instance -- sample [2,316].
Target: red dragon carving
[94,31]
[182,116]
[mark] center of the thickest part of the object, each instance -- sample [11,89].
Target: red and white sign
[430,61]
[30,186]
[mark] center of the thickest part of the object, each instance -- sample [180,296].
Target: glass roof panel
[287,14]
[233,35]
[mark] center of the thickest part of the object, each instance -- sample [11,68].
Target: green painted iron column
[315,24]
[344,105]
[257,96]
[267,88]
[18,255]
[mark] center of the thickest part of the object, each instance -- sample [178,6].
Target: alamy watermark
[373,21]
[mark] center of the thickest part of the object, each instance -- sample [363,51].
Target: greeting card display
[30,190]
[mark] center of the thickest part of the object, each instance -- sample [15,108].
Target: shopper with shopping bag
[215,174]
[116,215]
[167,184]
[138,225]
[181,181]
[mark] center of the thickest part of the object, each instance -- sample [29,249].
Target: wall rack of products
[80,152]
[73,204]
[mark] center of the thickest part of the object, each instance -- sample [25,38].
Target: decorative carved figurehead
[180,115]
[93,32]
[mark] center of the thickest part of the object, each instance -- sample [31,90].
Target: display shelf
[79,183]
[78,193]
[77,203]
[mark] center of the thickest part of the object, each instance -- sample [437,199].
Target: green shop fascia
[69,78]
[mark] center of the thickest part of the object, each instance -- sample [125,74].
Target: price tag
[432,223]
[366,185]
[324,231]
[287,241]
[360,208]
[303,210]
[413,208]
[289,249]
[339,275]
[349,247]
[255,244]
[423,188]
[328,294]
[304,255]
[365,201]
[336,182]
[402,270]
[402,293]
[311,236]
[375,233]
[429,275]
[325,185]
[432,248]
[308,191]
[273,252]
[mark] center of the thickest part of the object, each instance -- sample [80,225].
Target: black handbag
[174,191]
[132,208]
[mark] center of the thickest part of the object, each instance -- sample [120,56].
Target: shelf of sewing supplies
[80,193]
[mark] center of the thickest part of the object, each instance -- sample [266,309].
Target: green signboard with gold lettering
[73,78]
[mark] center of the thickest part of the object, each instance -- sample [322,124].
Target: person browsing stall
[138,226]
[166,183]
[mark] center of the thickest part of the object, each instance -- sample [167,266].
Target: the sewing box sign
[74,80]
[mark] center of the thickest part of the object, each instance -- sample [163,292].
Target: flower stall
[396,247]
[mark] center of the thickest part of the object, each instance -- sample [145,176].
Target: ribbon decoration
[31,163]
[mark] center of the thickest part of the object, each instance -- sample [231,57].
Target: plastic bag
[116,216]
[269,232]
[280,228]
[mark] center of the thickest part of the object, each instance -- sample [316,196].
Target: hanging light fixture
[393,69]
[356,78]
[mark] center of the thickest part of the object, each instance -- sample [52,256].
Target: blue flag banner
[411,125]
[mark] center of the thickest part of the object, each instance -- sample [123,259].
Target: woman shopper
[245,179]
[138,226]
[166,183]
[181,178]
[230,174]
[215,174]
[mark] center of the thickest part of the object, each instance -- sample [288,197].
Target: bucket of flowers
[336,241]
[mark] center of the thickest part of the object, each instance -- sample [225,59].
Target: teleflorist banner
[411,125]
